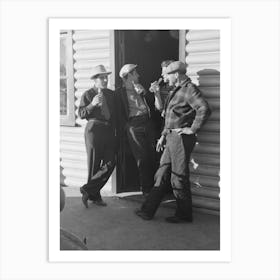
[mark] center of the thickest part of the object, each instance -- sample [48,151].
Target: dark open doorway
[147,49]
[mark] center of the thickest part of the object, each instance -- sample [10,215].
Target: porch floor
[116,227]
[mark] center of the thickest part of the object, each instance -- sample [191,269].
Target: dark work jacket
[123,107]
[186,107]
[88,111]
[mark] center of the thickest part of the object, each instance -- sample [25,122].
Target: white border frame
[224,254]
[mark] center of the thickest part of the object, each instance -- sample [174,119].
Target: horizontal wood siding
[203,67]
[90,48]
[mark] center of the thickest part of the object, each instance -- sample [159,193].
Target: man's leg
[180,150]
[106,166]
[162,179]
[139,144]
[94,149]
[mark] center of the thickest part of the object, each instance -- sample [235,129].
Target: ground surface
[116,227]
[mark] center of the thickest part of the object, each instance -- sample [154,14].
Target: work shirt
[88,111]
[164,93]
[124,113]
[136,104]
[186,108]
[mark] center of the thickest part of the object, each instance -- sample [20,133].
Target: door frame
[117,53]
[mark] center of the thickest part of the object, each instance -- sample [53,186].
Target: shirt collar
[184,82]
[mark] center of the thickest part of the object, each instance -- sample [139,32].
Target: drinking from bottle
[138,87]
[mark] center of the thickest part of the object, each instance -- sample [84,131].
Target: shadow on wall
[62,177]
[205,161]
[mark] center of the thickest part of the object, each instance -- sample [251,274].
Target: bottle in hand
[155,86]
[100,96]
[138,88]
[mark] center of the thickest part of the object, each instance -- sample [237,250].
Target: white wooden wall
[90,48]
[203,60]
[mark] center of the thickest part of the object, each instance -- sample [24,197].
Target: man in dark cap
[165,89]
[137,111]
[97,106]
[185,114]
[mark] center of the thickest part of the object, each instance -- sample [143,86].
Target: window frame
[69,118]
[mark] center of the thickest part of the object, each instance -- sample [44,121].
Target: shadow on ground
[116,227]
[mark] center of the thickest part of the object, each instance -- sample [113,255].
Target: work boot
[142,215]
[177,220]
[99,202]
[85,197]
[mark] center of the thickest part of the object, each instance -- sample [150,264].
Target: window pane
[63,96]
[63,74]
[67,107]
[62,56]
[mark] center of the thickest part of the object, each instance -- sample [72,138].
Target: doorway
[147,49]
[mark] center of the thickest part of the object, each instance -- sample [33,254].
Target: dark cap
[127,68]
[176,66]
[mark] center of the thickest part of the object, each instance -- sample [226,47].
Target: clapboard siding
[90,48]
[202,55]
[200,46]
[203,67]
[202,35]
[206,159]
[96,44]
[206,137]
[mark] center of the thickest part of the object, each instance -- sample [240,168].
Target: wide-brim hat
[176,66]
[97,70]
[127,68]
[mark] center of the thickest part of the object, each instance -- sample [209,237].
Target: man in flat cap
[97,106]
[164,90]
[186,112]
[137,111]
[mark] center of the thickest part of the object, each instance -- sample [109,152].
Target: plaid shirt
[186,108]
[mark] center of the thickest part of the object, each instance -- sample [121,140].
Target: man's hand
[185,130]
[154,87]
[160,143]
[97,100]
[138,88]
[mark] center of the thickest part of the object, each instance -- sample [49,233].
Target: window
[67,109]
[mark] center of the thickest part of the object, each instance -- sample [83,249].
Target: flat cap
[176,66]
[127,68]
[97,70]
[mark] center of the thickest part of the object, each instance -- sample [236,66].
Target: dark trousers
[141,138]
[100,146]
[174,169]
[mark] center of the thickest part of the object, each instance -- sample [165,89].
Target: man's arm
[158,101]
[200,105]
[86,107]
[156,90]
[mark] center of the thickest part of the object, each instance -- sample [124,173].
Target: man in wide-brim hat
[97,106]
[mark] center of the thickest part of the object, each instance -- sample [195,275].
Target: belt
[101,121]
[170,130]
